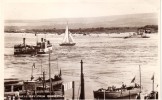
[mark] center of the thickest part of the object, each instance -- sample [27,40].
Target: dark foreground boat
[117,93]
[153,94]
[37,89]
[40,88]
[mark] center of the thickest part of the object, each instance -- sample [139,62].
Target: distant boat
[68,39]
[143,35]
[140,34]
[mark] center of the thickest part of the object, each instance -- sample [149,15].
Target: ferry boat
[43,47]
[24,48]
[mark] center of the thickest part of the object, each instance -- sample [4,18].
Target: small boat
[153,94]
[125,92]
[117,93]
[68,39]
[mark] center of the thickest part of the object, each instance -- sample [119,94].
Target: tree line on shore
[14,29]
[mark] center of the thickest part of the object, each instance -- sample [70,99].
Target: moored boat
[153,94]
[35,89]
[125,92]
[117,93]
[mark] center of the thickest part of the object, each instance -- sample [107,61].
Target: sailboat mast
[82,93]
[140,76]
[41,67]
[152,82]
[50,72]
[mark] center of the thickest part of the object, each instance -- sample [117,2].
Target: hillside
[131,20]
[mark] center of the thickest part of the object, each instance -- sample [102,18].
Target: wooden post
[104,94]
[63,92]
[129,94]
[82,92]
[153,85]
[43,81]
[73,86]
[12,88]
[50,75]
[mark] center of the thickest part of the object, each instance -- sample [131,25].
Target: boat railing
[113,88]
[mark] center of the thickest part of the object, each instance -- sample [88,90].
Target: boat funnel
[48,42]
[41,39]
[24,41]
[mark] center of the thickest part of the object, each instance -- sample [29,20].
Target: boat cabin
[44,46]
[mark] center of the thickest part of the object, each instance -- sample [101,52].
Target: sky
[48,9]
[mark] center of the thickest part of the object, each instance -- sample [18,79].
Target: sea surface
[107,60]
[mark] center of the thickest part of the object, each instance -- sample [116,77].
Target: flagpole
[153,83]
[50,75]
[32,72]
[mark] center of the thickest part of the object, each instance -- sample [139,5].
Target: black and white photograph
[81,50]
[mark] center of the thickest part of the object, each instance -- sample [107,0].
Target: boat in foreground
[125,92]
[117,93]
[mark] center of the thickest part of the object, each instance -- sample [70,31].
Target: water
[107,61]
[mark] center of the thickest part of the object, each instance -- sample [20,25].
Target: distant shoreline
[84,31]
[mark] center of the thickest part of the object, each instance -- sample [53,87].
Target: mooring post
[82,92]
[73,86]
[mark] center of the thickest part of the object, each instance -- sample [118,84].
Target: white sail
[68,37]
[71,38]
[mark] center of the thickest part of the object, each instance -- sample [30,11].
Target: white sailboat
[68,39]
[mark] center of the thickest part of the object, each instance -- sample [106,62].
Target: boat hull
[67,44]
[136,37]
[124,94]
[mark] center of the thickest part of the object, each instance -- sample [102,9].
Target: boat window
[17,87]
[7,88]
